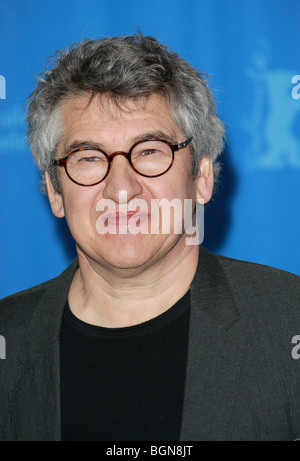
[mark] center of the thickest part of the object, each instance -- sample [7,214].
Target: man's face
[113,129]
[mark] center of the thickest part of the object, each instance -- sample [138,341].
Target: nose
[122,182]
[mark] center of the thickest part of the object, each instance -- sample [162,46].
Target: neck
[113,298]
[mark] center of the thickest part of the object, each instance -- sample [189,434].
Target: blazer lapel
[37,417]
[214,354]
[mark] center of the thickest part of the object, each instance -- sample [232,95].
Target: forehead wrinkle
[103,105]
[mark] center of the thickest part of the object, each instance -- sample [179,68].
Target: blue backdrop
[251,50]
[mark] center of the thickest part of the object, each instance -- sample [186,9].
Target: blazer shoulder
[263,289]
[21,305]
[30,319]
[16,313]
[25,298]
[254,272]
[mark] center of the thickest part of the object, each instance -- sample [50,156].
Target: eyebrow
[147,136]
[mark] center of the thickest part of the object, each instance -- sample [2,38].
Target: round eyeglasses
[88,166]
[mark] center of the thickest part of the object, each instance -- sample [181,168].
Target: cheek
[178,186]
[173,205]
[79,206]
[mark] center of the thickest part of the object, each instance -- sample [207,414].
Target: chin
[129,252]
[127,262]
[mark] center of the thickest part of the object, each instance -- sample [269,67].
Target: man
[147,335]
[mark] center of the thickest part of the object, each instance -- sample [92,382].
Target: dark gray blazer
[242,381]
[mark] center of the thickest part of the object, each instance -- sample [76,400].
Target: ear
[55,198]
[205,180]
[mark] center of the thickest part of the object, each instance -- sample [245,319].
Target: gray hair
[123,68]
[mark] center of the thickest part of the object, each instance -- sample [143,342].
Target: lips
[127,218]
[131,218]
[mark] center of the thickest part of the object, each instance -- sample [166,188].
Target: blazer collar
[210,291]
[215,353]
[44,327]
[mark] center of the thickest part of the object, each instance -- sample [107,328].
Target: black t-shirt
[124,384]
